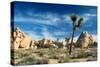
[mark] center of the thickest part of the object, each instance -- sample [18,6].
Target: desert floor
[52,56]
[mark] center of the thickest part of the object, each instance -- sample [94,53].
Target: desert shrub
[42,61]
[64,60]
[36,52]
[83,55]
[40,54]
[53,57]
[31,60]
[16,55]
[27,61]
[93,45]
[19,54]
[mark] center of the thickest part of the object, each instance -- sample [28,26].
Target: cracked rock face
[20,40]
[84,40]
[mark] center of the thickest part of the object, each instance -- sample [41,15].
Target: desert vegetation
[51,56]
[26,51]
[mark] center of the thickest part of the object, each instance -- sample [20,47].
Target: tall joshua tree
[77,23]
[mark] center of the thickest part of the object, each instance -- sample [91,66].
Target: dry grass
[48,55]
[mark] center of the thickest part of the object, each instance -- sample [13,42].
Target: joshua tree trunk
[70,49]
[75,26]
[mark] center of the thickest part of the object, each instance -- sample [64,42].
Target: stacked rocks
[20,40]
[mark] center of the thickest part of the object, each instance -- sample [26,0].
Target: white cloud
[33,35]
[90,15]
[47,34]
[47,18]
[66,18]
[60,33]
[50,21]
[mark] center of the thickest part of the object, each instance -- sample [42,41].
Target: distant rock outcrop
[85,40]
[20,40]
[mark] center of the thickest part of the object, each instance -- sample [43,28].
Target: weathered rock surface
[20,40]
[85,40]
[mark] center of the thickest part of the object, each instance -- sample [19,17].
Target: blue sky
[53,20]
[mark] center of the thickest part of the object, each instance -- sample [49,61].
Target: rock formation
[85,40]
[20,40]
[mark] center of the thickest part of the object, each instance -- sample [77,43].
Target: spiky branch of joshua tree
[76,25]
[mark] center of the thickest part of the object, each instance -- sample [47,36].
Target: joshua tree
[77,23]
